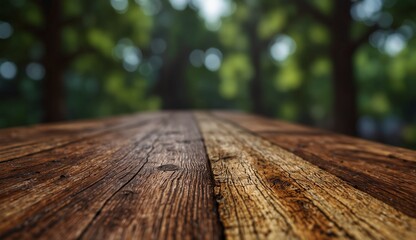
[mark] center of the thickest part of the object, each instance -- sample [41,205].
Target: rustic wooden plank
[146,176]
[34,189]
[24,141]
[170,197]
[20,136]
[265,191]
[65,191]
[20,174]
[385,172]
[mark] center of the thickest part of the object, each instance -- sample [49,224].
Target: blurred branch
[308,8]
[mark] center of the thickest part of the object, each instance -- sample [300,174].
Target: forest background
[347,66]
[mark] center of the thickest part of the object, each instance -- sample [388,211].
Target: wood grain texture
[171,195]
[24,141]
[148,176]
[265,191]
[385,172]
[132,179]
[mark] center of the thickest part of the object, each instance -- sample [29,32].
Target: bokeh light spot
[179,4]
[197,58]
[35,71]
[119,48]
[394,44]
[282,47]
[8,70]
[6,30]
[212,11]
[131,58]
[366,10]
[120,5]
[213,59]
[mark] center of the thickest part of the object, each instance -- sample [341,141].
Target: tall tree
[89,32]
[53,89]
[344,45]
[185,34]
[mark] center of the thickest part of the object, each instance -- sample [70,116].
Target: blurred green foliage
[121,57]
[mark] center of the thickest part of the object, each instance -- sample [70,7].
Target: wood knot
[168,167]
[279,182]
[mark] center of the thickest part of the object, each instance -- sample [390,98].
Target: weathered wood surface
[266,191]
[148,179]
[201,175]
[386,173]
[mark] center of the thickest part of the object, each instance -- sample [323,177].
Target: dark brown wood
[19,142]
[386,173]
[171,194]
[127,181]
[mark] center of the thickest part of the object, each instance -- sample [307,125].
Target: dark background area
[347,66]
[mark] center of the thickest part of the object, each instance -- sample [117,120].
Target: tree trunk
[345,92]
[53,90]
[256,91]
[171,86]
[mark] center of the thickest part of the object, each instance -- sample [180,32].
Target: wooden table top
[201,175]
